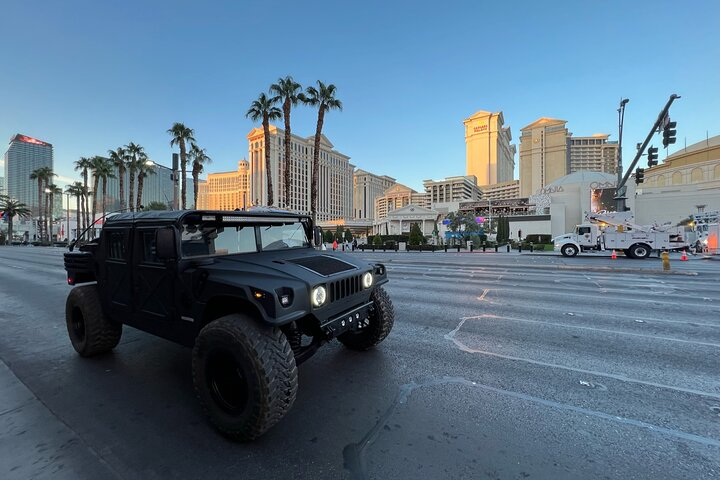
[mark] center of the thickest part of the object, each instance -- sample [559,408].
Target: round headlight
[318,296]
[367,280]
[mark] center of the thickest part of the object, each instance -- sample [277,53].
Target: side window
[117,246]
[149,252]
[584,230]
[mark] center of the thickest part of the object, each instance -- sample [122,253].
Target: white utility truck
[616,231]
[707,232]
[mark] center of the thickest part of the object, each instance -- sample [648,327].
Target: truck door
[585,237]
[154,286]
[117,274]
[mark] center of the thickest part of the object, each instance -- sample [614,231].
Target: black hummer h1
[246,290]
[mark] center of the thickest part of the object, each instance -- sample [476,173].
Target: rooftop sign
[26,139]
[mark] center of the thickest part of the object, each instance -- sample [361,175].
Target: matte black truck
[246,290]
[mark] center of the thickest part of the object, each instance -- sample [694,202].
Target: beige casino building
[687,182]
[489,156]
[335,177]
[226,190]
[543,154]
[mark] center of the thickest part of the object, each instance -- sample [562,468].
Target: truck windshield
[229,238]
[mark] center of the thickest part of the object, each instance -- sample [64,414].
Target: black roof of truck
[172,216]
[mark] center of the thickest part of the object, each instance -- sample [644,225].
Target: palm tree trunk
[38,226]
[104,194]
[288,141]
[196,178]
[131,187]
[77,225]
[86,219]
[8,241]
[183,180]
[141,183]
[316,165]
[121,177]
[266,130]
[96,181]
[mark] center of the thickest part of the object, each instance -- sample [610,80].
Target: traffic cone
[614,255]
[684,256]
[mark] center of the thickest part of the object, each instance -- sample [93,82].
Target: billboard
[602,199]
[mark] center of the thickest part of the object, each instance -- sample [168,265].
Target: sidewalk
[34,443]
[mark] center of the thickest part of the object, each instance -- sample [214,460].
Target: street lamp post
[67,222]
[621,120]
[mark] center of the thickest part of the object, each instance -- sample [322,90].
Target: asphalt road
[500,366]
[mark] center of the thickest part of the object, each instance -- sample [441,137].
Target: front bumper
[352,320]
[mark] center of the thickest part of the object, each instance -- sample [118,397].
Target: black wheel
[569,250]
[627,253]
[244,374]
[90,332]
[640,251]
[382,318]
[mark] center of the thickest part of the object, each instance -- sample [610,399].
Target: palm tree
[134,153]
[286,90]
[43,176]
[199,158]
[324,99]
[98,164]
[263,108]
[103,169]
[84,164]
[119,159]
[76,190]
[180,135]
[51,190]
[11,208]
[37,174]
[144,168]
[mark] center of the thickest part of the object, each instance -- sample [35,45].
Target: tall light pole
[621,119]
[67,221]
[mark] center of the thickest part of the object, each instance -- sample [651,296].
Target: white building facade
[366,188]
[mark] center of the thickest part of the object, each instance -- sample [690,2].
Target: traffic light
[652,156]
[669,133]
[639,175]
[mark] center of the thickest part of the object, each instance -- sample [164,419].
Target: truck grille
[346,287]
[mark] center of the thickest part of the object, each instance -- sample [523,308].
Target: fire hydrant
[665,260]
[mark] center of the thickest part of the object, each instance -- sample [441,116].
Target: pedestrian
[354,244]
[335,245]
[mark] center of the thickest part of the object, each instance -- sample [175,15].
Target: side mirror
[166,243]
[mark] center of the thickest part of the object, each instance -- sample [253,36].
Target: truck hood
[304,264]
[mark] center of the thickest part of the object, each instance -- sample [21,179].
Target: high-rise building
[396,197]
[24,155]
[452,189]
[489,156]
[593,153]
[502,191]
[228,190]
[157,187]
[544,154]
[335,185]
[2,186]
[366,188]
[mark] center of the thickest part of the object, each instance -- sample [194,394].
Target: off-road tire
[91,332]
[569,250]
[382,319]
[244,403]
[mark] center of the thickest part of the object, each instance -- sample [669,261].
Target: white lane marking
[451,336]
[595,329]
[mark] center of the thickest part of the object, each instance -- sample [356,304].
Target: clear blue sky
[92,75]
